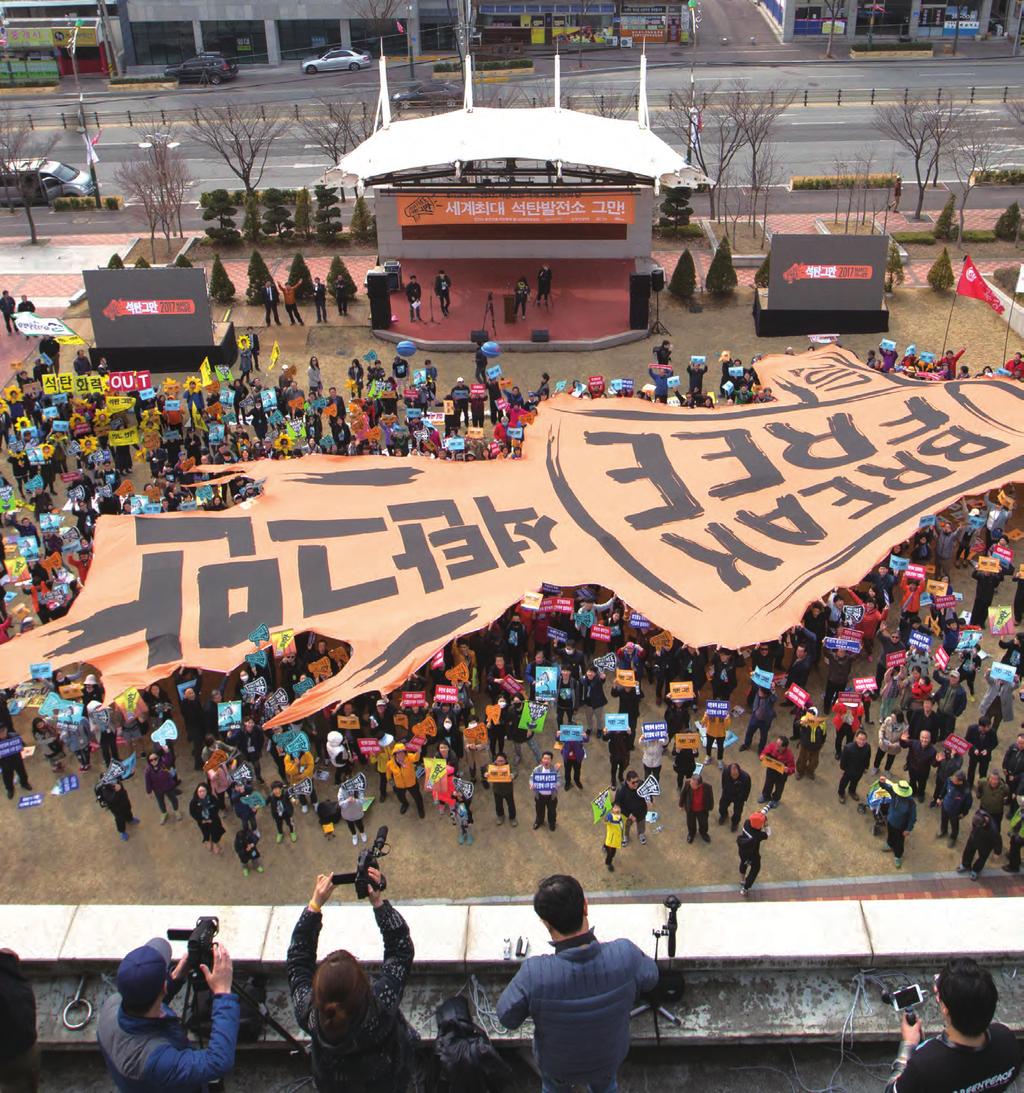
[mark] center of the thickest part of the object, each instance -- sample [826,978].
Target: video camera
[367,860]
[200,941]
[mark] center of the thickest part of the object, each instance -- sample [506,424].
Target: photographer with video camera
[143,1041]
[360,1039]
[971,1052]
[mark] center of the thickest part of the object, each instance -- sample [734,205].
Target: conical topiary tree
[684,277]
[327,218]
[1008,225]
[940,276]
[141,263]
[251,221]
[764,271]
[259,275]
[339,269]
[222,289]
[182,262]
[363,226]
[894,274]
[115,261]
[945,226]
[302,213]
[299,274]
[721,278]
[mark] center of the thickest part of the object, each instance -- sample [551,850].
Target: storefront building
[41,44]
[909,20]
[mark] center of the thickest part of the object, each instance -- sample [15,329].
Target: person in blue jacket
[142,1039]
[660,374]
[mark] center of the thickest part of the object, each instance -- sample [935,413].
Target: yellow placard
[119,404]
[129,699]
[67,384]
[347,722]
[243,341]
[624,677]
[474,432]
[206,372]
[499,772]
[988,564]
[688,741]
[936,588]
[275,354]
[773,764]
[120,438]
[662,640]
[680,689]
[281,639]
[69,339]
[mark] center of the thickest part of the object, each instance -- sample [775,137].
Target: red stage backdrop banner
[426,209]
[718,526]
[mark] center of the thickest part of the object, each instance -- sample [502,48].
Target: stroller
[877,802]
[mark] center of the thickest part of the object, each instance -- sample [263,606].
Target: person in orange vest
[291,306]
[402,775]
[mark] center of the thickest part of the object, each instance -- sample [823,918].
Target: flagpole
[1009,320]
[950,319]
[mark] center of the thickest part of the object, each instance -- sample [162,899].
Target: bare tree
[158,181]
[719,139]
[942,121]
[338,126]
[612,103]
[138,179]
[908,124]
[19,145]
[770,172]
[833,10]
[756,113]
[241,136]
[1016,110]
[972,149]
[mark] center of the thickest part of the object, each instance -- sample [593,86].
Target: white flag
[1020,279]
[90,150]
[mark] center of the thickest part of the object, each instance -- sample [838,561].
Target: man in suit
[271,298]
[254,346]
[443,291]
[320,300]
[544,284]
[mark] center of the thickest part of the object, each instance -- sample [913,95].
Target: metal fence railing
[513,95]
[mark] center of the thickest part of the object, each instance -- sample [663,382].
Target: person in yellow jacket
[614,826]
[296,769]
[380,761]
[402,775]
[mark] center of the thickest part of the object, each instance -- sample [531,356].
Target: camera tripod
[489,310]
[656,995]
[658,327]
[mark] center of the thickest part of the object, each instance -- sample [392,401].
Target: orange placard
[339,654]
[426,727]
[773,764]
[499,772]
[624,677]
[988,564]
[493,714]
[475,734]
[321,669]
[402,721]
[680,689]
[459,674]
[687,741]
[217,758]
[347,722]
[432,208]
[662,640]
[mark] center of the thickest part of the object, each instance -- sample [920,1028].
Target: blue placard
[928,521]
[12,745]
[35,483]
[616,722]
[560,386]
[655,731]
[926,358]
[545,683]
[698,359]
[762,677]
[975,522]
[718,708]
[68,784]
[570,733]
[172,404]
[269,400]
[148,393]
[229,714]
[846,645]
[672,381]
[493,372]
[515,433]
[638,621]
[556,635]
[1005,673]
[544,781]
[898,564]
[151,508]
[32,801]
[887,344]
[60,426]
[42,670]
[49,412]
[728,387]
[736,371]
[455,443]
[918,639]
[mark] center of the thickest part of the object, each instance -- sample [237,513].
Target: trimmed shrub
[83,204]
[327,218]
[978,235]
[251,222]
[1001,176]
[940,276]
[894,274]
[299,274]
[684,231]
[1008,225]
[764,271]
[676,209]
[220,208]
[1006,278]
[222,289]
[259,275]
[339,269]
[141,263]
[115,262]
[924,238]
[277,220]
[721,278]
[946,225]
[684,277]
[840,182]
[363,226]
[182,262]
[485,66]
[302,214]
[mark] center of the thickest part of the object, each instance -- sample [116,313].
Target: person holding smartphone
[971,1052]
[360,1039]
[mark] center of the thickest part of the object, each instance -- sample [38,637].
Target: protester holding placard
[779,764]
[544,784]
[633,806]
[115,798]
[205,810]
[299,769]
[162,781]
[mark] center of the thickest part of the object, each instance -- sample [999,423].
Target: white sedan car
[335,59]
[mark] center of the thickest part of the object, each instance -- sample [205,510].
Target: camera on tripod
[200,941]
[368,859]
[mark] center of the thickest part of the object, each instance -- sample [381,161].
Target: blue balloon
[406,348]
[491,349]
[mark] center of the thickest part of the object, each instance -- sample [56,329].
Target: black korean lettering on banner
[927,417]
[739,445]
[497,522]
[841,432]
[725,562]
[260,579]
[463,546]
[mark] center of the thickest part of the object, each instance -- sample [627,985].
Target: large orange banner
[425,209]
[719,526]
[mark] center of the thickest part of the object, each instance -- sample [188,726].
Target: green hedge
[1001,176]
[485,66]
[978,235]
[926,238]
[118,81]
[29,83]
[237,197]
[683,231]
[840,182]
[893,47]
[76,204]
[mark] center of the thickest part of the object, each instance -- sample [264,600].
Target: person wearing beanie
[143,1042]
[282,809]
[754,832]
[339,757]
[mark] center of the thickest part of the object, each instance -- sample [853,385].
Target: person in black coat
[544,284]
[116,798]
[320,300]
[443,291]
[854,761]
[984,741]
[633,806]
[270,297]
[982,841]
[205,809]
[734,794]
[19,1046]
[983,595]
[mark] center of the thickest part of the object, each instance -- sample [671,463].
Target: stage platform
[589,306]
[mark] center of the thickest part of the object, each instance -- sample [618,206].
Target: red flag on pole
[972,283]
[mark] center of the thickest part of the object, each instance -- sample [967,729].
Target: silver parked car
[335,59]
[42,180]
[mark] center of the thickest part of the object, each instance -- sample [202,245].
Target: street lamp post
[90,153]
[408,39]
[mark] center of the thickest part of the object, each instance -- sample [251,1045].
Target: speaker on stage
[380,300]
[639,301]
[657,279]
[478,336]
[539,336]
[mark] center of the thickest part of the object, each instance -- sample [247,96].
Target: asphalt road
[810,139]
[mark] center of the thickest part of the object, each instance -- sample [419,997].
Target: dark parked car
[209,68]
[419,94]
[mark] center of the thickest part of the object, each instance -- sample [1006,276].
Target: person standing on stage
[414,294]
[544,285]
[443,291]
[522,295]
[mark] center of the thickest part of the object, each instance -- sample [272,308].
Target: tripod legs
[658,327]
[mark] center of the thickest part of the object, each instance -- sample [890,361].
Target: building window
[300,38]
[243,41]
[163,43]
[367,35]
[437,35]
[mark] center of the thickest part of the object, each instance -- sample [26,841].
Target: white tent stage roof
[543,134]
